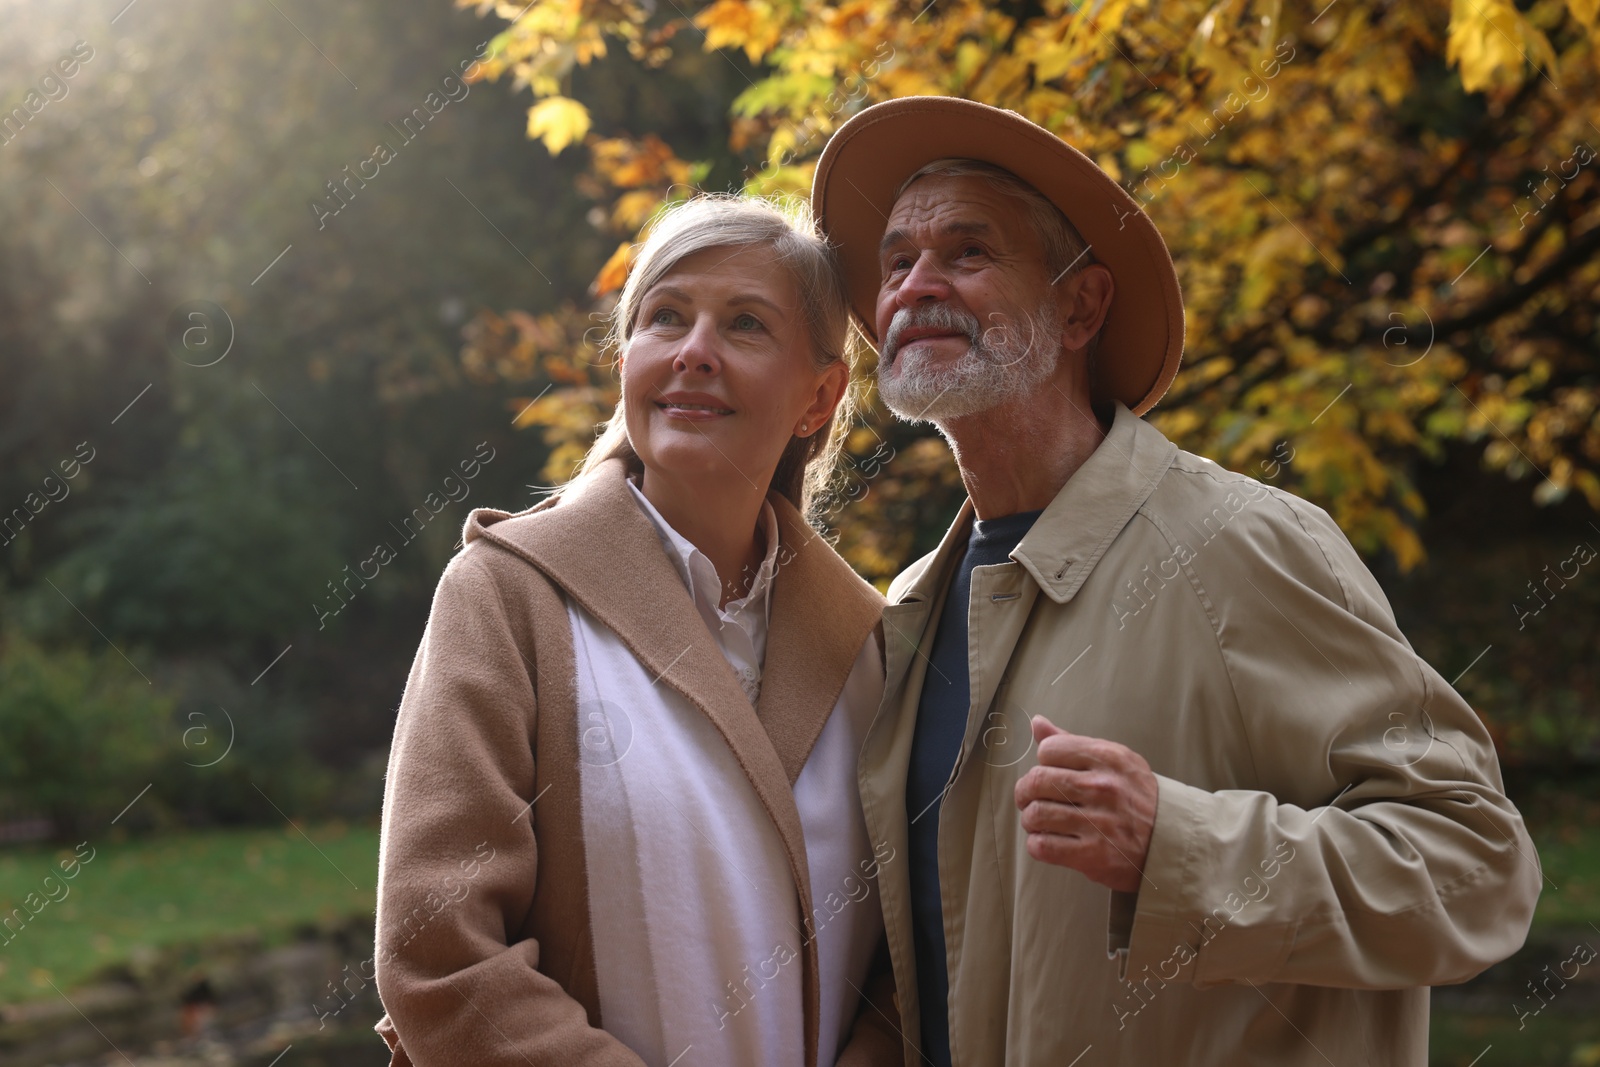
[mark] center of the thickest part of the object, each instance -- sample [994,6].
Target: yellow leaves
[1178,424]
[568,417]
[629,164]
[1392,425]
[970,57]
[792,180]
[1002,70]
[558,121]
[634,208]
[1368,63]
[1259,139]
[1589,486]
[1271,262]
[1587,12]
[615,272]
[748,24]
[1209,47]
[527,411]
[511,347]
[1489,41]
[1141,154]
[1077,48]
[1053,62]
[1401,539]
[727,23]
[590,45]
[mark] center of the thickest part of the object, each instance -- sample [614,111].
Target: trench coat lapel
[908,626]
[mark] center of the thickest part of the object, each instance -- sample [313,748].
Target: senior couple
[1134,768]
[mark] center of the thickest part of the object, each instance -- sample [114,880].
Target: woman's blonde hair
[731,221]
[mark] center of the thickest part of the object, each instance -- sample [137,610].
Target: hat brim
[869,157]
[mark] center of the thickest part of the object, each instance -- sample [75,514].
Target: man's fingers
[1055,817]
[1080,753]
[1091,858]
[1095,788]
[1043,728]
[1061,851]
[1068,752]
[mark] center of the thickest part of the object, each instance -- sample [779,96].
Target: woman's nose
[698,352]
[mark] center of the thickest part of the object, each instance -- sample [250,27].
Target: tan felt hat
[876,150]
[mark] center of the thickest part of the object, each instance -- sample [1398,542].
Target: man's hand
[1089,805]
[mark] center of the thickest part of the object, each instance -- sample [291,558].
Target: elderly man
[1167,783]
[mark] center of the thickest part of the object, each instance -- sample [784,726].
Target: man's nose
[925,282]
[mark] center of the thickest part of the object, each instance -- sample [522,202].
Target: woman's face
[718,375]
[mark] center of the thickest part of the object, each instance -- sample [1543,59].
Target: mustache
[937,316]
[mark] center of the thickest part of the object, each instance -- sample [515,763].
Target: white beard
[1000,364]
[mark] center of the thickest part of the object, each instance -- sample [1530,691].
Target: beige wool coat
[1331,836]
[484,954]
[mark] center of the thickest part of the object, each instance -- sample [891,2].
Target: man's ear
[1085,302]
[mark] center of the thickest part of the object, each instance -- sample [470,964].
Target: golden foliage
[615,272]
[1378,258]
[558,121]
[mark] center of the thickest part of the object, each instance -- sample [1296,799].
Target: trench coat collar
[1066,542]
[1075,530]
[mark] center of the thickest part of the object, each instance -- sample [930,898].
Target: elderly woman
[622,823]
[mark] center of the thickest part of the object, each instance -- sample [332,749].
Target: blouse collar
[700,575]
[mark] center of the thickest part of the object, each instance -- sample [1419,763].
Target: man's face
[967,317]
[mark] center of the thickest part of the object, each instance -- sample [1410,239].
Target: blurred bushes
[239,469]
[84,735]
[219,549]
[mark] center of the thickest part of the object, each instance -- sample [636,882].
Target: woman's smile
[692,407]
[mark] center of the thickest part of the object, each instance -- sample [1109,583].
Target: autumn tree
[1386,217]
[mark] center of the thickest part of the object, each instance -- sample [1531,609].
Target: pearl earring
[803,427]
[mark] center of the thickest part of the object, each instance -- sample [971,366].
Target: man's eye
[747,322]
[900,263]
[972,250]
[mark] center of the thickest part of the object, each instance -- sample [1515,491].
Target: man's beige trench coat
[1331,835]
[484,955]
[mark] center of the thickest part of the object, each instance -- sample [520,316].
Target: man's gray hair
[1065,251]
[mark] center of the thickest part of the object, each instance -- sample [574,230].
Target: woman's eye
[663,317]
[747,322]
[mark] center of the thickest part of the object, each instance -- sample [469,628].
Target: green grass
[141,895]
[1549,1041]
[1570,854]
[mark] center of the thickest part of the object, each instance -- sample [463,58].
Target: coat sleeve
[459,862]
[1379,850]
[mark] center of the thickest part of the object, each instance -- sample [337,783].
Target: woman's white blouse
[696,923]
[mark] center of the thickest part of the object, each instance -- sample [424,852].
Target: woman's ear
[831,384]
